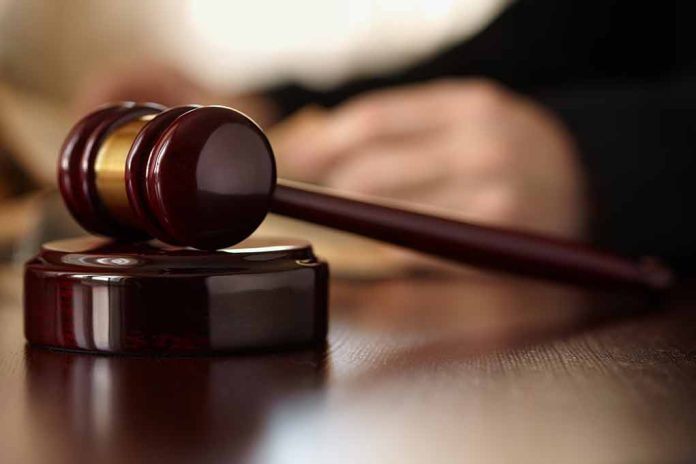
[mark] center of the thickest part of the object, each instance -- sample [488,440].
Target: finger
[390,113]
[388,169]
[467,156]
[319,143]
[487,202]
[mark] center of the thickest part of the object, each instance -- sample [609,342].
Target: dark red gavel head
[191,176]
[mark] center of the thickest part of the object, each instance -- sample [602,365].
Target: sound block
[101,296]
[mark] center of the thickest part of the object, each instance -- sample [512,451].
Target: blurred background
[52,54]
[567,118]
[49,48]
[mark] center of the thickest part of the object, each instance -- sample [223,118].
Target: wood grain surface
[458,368]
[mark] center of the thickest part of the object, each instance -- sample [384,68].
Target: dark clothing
[620,74]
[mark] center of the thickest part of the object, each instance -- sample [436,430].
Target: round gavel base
[102,296]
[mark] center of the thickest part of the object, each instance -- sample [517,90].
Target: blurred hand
[148,80]
[469,146]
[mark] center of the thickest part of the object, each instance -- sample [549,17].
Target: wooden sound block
[98,295]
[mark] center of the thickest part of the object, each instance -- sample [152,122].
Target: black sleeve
[639,151]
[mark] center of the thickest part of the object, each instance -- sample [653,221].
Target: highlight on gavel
[200,179]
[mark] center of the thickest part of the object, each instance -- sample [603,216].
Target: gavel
[205,177]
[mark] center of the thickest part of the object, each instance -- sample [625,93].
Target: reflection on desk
[460,368]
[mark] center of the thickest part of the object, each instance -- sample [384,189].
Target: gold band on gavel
[110,169]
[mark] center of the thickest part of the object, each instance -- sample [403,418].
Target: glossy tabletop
[448,368]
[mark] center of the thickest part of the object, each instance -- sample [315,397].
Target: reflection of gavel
[205,177]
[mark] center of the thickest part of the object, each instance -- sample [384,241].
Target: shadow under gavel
[205,177]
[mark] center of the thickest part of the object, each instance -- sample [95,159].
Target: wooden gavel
[205,177]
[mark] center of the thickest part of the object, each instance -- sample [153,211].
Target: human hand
[469,146]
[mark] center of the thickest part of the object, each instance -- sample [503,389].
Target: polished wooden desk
[463,368]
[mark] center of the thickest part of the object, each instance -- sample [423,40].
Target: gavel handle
[483,246]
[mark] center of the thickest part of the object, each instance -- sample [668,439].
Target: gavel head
[191,176]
